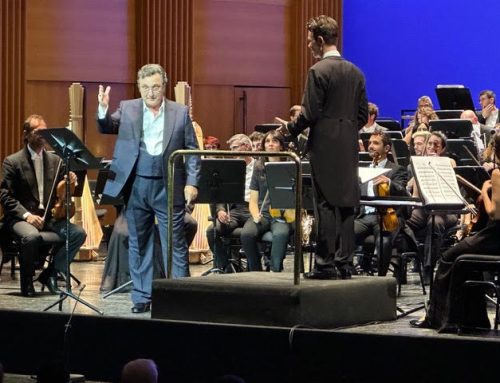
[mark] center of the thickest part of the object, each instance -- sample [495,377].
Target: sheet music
[367,174]
[436,181]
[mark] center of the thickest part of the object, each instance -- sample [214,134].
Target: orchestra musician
[445,308]
[29,175]
[263,218]
[367,221]
[149,130]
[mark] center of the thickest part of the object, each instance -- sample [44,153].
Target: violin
[59,209]
[390,221]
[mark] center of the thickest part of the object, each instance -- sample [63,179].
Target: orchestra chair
[472,268]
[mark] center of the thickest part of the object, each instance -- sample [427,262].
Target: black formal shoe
[140,308]
[48,279]
[420,323]
[27,289]
[345,272]
[317,274]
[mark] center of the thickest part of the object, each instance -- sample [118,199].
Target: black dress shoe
[48,279]
[320,274]
[27,289]
[345,272]
[420,323]
[140,308]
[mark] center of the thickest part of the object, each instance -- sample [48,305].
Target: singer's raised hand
[103,96]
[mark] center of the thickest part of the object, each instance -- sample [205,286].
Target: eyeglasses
[155,89]
[236,146]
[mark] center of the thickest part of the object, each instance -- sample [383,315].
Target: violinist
[367,221]
[28,178]
[445,309]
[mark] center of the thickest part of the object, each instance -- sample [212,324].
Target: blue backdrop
[407,47]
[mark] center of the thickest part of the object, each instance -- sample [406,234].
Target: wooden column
[12,75]
[165,36]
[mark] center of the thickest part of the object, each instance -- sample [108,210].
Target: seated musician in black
[445,309]
[367,221]
[229,217]
[28,177]
[263,218]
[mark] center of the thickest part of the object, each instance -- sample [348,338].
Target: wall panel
[165,36]
[12,35]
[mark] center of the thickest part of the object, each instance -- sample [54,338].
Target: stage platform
[198,351]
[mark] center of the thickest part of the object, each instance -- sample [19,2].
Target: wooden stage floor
[119,304]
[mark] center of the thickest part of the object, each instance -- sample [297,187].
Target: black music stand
[221,181]
[448,114]
[281,181]
[454,97]
[281,185]
[463,151]
[453,128]
[476,175]
[264,128]
[400,152]
[76,157]
[390,124]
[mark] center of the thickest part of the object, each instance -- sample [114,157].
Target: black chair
[477,263]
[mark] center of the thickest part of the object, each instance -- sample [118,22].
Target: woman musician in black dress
[445,309]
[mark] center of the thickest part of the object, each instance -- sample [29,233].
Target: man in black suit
[28,177]
[367,222]
[334,107]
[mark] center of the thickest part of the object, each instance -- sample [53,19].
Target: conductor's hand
[35,220]
[103,96]
[190,193]
[223,217]
[283,129]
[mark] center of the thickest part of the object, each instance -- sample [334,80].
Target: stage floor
[119,304]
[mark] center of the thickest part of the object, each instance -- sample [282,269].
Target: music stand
[222,180]
[76,157]
[453,128]
[448,114]
[454,97]
[102,178]
[400,152]
[390,124]
[463,151]
[281,185]
[476,175]
[264,128]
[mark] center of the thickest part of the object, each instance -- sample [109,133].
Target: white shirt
[370,192]
[476,135]
[38,165]
[152,127]
[333,53]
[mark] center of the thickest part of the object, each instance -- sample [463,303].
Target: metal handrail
[227,153]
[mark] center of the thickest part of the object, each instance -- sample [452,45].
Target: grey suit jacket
[19,188]
[178,134]
[334,106]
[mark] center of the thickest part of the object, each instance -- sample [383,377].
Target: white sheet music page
[436,181]
[367,174]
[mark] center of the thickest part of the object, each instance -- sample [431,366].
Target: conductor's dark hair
[324,26]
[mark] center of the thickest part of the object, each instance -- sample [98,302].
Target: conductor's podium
[271,299]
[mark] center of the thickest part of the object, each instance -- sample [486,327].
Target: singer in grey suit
[149,130]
